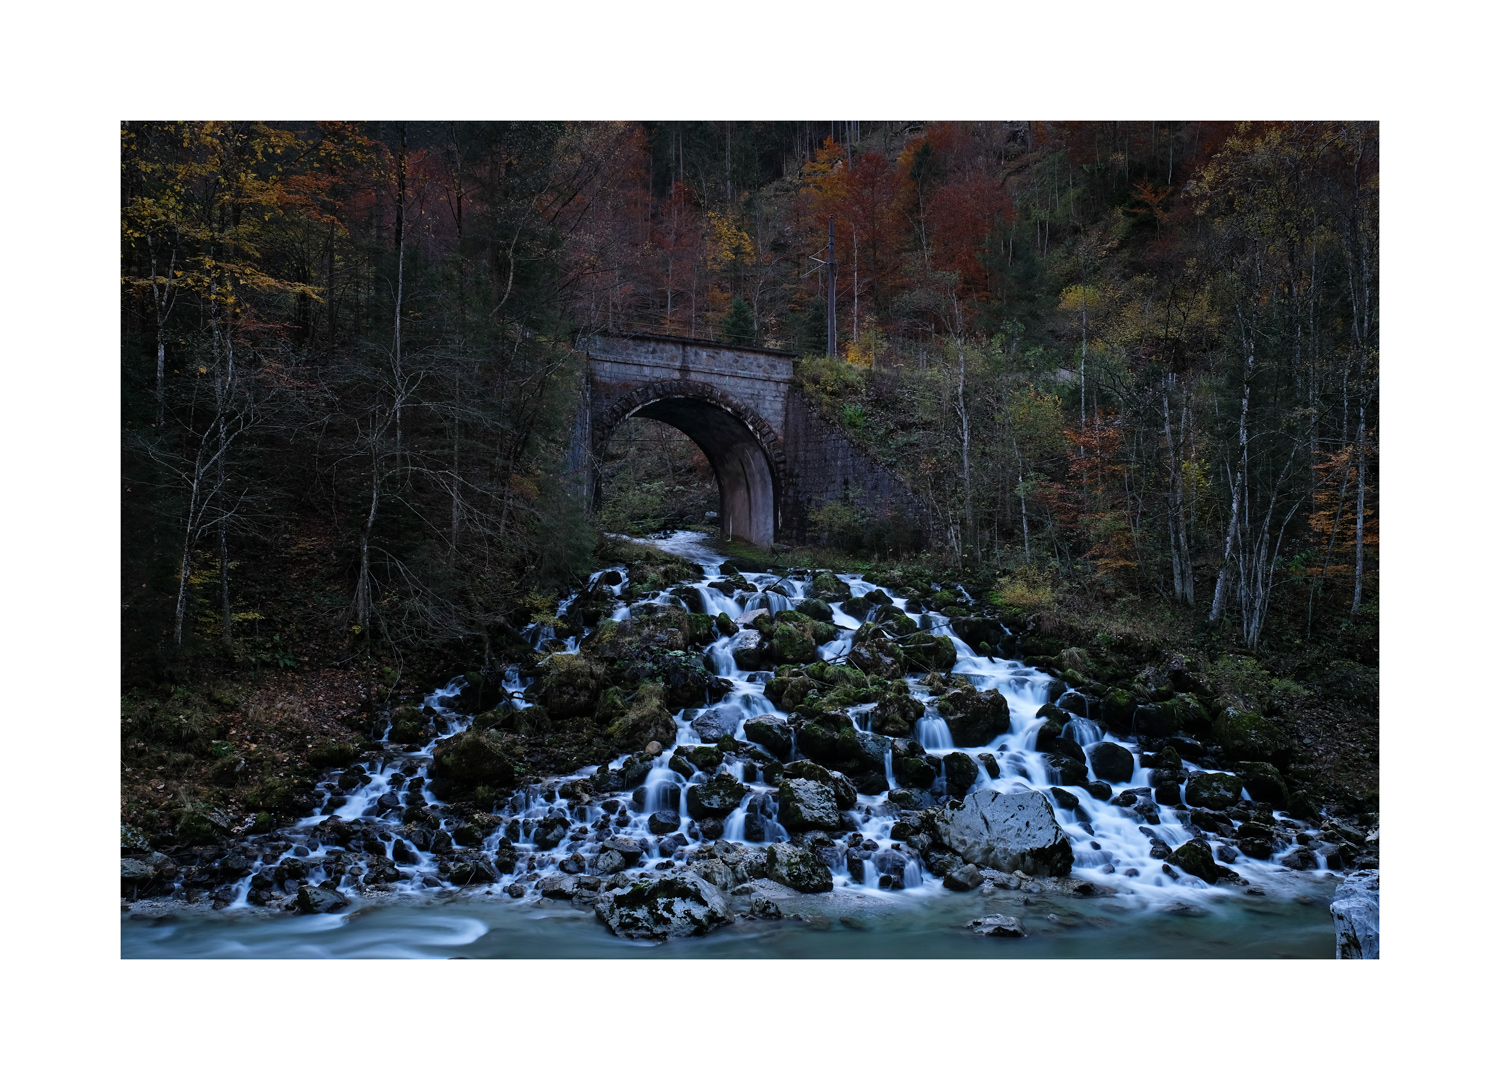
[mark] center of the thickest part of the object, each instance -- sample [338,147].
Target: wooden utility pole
[833,280]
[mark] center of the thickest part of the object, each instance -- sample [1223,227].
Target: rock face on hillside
[1356,917]
[1007,832]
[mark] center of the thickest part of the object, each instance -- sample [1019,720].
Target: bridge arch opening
[749,487]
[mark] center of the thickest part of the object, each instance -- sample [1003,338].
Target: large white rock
[673,905]
[1007,832]
[1356,916]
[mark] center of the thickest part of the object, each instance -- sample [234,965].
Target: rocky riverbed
[695,746]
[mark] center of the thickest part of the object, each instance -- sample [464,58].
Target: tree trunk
[1359,516]
[1226,567]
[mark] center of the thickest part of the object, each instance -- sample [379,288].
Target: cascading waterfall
[355,825]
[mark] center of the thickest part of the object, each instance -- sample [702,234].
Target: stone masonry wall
[824,465]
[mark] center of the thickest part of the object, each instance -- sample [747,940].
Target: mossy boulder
[772,732]
[928,652]
[715,799]
[1264,782]
[1117,708]
[913,767]
[1197,858]
[472,759]
[569,685]
[825,586]
[645,719]
[1186,713]
[816,609]
[792,643]
[1214,790]
[650,626]
[407,724]
[895,714]
[787,693]
[896,621]
[1248,736]
[974,718]
[333,754]
[702,630]
[878,656]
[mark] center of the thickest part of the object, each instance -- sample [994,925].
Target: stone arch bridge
[775,459]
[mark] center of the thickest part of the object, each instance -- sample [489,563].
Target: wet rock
[1197,858]
[964,878]
[960,771]
[807,804]
[797,868]
[1076,703]
[1214,790]
[878,656]
[1006,832]
[1299,858]
[828,587]
[470,871]
[1212,821]
[749,650]
[1066,800]
[551,831]
[771,732]
[845,796]
[1356,916]
[572,864]
[1254,839]
[1150,722]
[715,799]
[991,766]
[974,718]
[319,900]
[663,821]
[1066,771]
[1112,761]
[558,886]
[1264,782]
[711,725]
[674,905]
[998,926]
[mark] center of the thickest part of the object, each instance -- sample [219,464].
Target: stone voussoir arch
[746,451]
[627,405]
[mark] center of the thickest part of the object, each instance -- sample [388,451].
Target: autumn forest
[1129,371]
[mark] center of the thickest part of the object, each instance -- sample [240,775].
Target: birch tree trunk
[1236,494]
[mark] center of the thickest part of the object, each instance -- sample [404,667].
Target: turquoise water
[1293,923]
